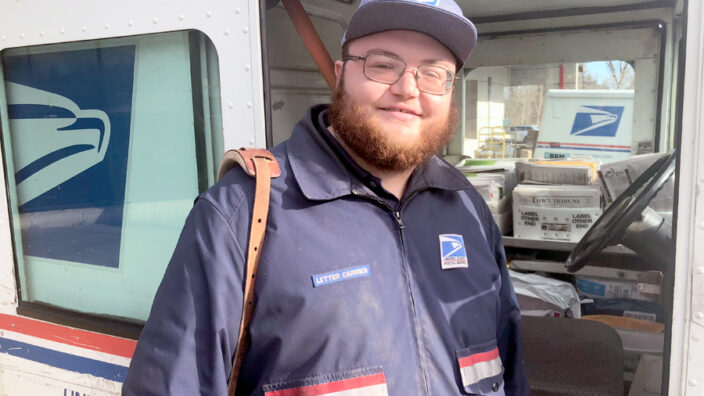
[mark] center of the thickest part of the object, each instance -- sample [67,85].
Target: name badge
[329,278]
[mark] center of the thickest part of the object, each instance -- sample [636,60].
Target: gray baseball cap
[441,19]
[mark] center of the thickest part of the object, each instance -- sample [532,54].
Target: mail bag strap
[261,165]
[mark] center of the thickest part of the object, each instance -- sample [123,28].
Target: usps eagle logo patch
[452,252]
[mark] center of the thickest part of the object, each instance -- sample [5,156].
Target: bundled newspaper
[555,212]
[562,171]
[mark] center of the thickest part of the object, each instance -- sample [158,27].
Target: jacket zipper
[401,226]
[398,219]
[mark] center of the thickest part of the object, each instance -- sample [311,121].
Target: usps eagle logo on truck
[70,121]
[597,121]
[55,140]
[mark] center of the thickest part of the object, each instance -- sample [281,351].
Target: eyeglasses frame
[415,74]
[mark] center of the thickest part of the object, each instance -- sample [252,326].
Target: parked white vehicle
[595,123]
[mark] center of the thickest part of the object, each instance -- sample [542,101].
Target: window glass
[107,143]
[551,111]
[602,86]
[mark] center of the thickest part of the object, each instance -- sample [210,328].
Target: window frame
[103,323]
[235,34]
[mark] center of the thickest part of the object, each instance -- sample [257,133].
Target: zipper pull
[397,214]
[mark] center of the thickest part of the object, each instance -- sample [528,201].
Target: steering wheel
[612,224]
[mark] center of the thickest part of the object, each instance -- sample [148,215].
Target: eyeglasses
[385,69]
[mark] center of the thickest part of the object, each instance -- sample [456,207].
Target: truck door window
[552,111]
[521,85]
[106,143]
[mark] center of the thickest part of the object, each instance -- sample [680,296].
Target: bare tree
[524,104]
[589,81]
[622,75]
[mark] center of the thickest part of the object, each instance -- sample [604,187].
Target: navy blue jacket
[355,294]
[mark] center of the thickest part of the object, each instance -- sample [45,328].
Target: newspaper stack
[556,200]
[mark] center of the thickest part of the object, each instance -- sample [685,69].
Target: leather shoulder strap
[262,165]
[244,157]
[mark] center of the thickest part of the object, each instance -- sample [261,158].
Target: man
[382,271]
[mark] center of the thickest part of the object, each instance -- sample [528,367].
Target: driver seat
[571,357]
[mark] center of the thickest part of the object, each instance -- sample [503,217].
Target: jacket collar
[322,176]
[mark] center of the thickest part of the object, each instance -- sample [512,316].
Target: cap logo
[429,2]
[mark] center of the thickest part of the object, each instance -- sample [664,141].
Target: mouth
[401,110]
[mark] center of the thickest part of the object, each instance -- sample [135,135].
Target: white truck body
[594,123]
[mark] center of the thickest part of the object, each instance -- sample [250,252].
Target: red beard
[373,146]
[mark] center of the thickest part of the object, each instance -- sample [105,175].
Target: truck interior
[532,59]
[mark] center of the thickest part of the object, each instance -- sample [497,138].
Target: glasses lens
[434,79]
[383,68]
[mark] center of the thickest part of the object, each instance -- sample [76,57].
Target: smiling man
[391,117]
[382,272]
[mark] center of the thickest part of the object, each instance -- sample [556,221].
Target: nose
[407,84]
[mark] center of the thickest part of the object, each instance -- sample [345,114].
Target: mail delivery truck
[114,116]
[594,123]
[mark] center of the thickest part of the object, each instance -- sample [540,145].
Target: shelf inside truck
[562,246]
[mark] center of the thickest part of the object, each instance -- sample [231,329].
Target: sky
[599,70]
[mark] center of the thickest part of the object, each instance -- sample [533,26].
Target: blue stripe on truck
[63,360]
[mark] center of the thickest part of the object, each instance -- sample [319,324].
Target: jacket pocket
[481,369]
[359,382]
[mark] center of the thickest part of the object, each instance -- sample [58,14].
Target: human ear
[339,66]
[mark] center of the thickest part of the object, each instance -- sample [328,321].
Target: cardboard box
[557,213]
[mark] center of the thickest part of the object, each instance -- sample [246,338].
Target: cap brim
[457,34]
